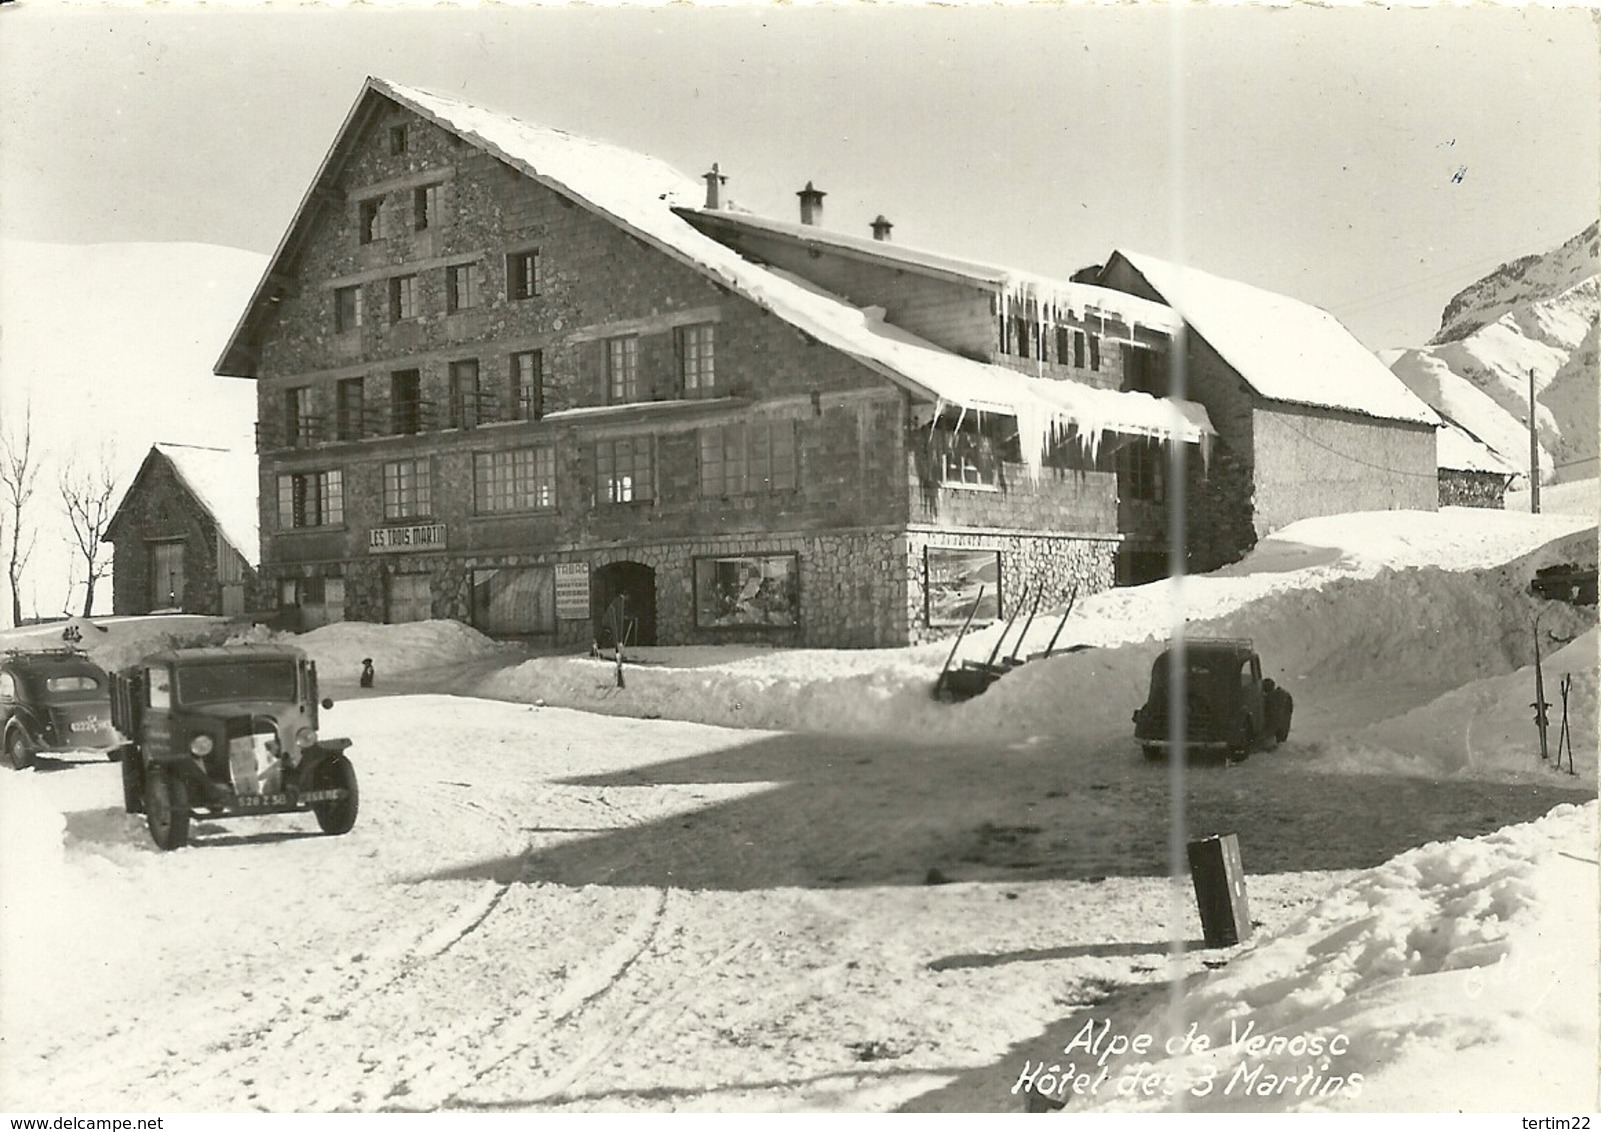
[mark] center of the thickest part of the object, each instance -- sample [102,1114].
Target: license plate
[82,725]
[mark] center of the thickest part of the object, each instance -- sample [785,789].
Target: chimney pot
[714,184]
[811,204]
[881,228]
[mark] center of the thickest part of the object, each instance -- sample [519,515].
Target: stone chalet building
[557,389]
[185,534]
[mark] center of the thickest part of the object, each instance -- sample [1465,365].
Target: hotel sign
[397,540]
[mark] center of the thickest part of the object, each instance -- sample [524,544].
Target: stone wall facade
[1460,488]
[1031,563]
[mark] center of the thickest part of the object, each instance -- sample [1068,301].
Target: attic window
[397,140]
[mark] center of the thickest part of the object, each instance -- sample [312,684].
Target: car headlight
[200,746]
[304,738]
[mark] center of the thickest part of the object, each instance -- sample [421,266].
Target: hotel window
[1078,348]
[1020,335]
[623,471]
[425,207]
[350,409]
[311,499]
[520,480]
[405,401]
[622,370]
[522,275]
[461,287]
[697,376]
[369,220]
[967,459]
[1143,371]
[747,459]
[297,416]
[347,308]
[1140,470]
[464,408]
[1064,345]
[402,297]
[528,385]
[397,140]
[408,489]
[1095,351]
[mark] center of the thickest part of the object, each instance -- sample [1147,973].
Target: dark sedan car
[53,701]
[1229,710]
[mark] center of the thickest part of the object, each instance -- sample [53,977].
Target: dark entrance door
[626,590]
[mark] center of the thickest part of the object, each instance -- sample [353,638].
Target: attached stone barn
[1309,422]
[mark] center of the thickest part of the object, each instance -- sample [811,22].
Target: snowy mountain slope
[1534,315]
[111,345]
[1519,281]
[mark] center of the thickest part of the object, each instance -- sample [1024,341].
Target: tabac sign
[397,540]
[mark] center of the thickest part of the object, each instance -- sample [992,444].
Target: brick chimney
[714,184]
[811,202]
[881,228]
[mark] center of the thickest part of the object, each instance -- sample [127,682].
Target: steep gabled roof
[1286,350]
[640,195]
[222,481]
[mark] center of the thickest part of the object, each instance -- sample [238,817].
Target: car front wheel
[338,816]
[167,809]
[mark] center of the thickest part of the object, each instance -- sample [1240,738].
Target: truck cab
[228,731]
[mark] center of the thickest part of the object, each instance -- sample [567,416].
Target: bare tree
[18,476]
[86,496]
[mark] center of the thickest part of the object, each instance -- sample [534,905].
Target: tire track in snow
[594,983]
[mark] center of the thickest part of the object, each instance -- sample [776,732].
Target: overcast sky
[1367,160]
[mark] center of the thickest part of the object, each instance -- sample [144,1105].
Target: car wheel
[167,809]
[338,816]
[133,786]
[19,752]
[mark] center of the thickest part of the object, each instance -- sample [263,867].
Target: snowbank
[1338,623]
[116,642]
[1577,497]
[1459,975]
[340,648]
[1488,724]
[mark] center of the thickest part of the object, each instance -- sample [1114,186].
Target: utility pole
[1534,459]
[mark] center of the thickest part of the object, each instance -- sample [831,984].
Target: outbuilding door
[166,575]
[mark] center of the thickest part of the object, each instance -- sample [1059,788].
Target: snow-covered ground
[543,908]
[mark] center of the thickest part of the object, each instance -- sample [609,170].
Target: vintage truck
[228,731]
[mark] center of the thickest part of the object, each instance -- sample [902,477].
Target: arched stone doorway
[624,591]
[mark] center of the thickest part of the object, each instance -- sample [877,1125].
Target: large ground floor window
[514,600]
[747,591]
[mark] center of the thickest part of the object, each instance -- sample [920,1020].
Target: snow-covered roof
[1460,452]
[224,481]
[1085,299]
[1285,349]
[641,194]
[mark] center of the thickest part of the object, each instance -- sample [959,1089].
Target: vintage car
[53,701]
[228,731]
[1226,703]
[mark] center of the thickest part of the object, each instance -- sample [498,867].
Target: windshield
[237,680]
